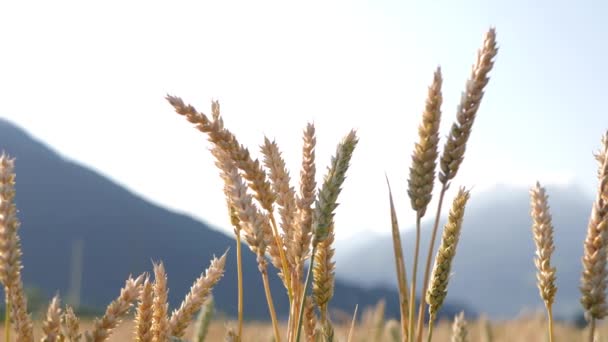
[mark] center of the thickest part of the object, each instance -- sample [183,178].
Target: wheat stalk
[422,177]
[543,238]
[455,146]
[593,280]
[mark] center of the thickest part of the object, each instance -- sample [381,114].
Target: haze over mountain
[60,203]
[493,270]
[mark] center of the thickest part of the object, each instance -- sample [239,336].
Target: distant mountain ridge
[61,202]
[493,270]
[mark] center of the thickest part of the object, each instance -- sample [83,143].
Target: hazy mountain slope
[493,270]
[61,202]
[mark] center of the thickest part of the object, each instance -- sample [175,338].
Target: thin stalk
[7,317]
[284,268]
[273,315]
[239,268]
[550,315]
[352,325]
[413,286]
[430,336]
[592,330]
[429,258]
[306,286]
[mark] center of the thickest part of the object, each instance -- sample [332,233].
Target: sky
[89,79]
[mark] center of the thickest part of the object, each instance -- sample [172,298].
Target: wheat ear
[310,323]
[438,288]
[143,317]
[323,275]
[542,230]
[10,256]
[51,327]
[253,172]
[593,280]
[422,177]
[459,329]
[455,146]
[160,305]
[199,292]
[326,203]
[70,326]
[103,326]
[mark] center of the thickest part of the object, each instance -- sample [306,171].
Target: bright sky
[88,78]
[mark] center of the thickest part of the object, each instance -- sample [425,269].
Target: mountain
[62,204]
[494,270]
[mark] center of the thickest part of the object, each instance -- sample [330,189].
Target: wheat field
[290,230]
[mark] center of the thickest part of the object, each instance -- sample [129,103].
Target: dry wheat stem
[119,307]
[351,330]
[226,166]
[199,292]
[412,299]
[51,327]
[143,317]
[399,265]
[593,280]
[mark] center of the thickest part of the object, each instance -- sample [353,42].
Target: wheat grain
[51,326]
